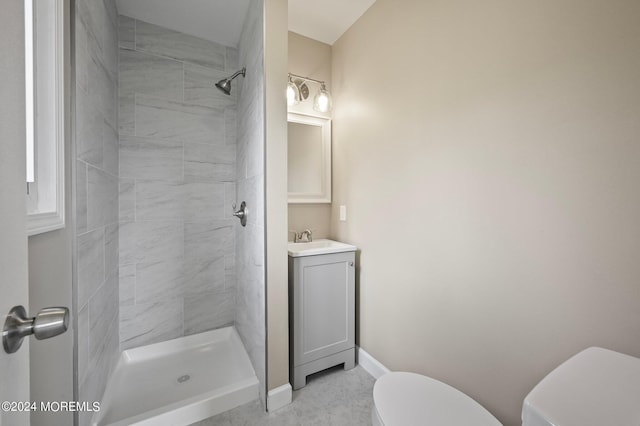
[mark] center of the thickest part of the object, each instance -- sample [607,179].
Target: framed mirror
[309,159]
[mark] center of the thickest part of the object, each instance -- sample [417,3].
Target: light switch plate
[343,213]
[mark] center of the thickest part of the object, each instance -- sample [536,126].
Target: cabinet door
[324,305]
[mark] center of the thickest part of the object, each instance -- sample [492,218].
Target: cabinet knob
[350,263]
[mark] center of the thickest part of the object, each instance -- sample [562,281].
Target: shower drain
[184,378]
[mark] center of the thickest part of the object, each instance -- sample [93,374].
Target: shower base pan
[179,382]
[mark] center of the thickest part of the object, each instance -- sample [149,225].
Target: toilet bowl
[593,388]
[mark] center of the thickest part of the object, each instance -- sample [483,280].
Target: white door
[14,368]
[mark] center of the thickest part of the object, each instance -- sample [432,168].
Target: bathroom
[485,155]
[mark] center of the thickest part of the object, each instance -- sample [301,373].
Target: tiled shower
[162,156]
[177,184]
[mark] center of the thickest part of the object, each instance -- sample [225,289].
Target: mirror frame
[324,196]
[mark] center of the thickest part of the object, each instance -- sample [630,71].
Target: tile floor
[333,397]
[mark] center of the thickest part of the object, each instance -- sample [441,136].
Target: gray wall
[250,304]
[96,195]
[177,184]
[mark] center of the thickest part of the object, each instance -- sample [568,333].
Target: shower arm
[237,73]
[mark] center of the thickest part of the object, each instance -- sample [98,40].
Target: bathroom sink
[318,247]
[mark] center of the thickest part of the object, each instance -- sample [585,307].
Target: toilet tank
[596,387]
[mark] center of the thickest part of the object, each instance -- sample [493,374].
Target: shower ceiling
[221,20]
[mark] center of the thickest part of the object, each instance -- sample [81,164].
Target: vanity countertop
[316,247]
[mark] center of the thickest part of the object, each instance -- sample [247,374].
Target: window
[44,92]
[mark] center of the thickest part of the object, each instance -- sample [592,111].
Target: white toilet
[593,388]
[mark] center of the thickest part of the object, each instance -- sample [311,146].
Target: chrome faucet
[306,232]
[298,237]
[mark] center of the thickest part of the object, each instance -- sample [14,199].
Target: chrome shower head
[225,83]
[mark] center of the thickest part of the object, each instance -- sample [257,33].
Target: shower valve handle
[242,213]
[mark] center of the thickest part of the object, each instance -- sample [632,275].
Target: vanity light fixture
[293,92]
[298,91]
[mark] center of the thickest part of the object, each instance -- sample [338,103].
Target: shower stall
[162,157]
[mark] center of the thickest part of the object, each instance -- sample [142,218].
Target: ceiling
[325,20]
[221,20]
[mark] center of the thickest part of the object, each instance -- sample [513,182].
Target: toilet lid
[406,399]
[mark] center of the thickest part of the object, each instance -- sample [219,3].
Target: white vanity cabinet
[321,311]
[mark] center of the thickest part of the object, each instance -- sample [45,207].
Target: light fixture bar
[305,78]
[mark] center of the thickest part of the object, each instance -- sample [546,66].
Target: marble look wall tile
[96,70]
[151,241]
[88,130]
[255,151]
[92,387]
[230,126]
[90,264]
[162,118]
[159,281]
[127,200]
[241,161]
[208,311]
[127,242]
[203,201]
[250,322]
[150,75]
[126,32]
[199,87]
[103,309]
[111,249]
[251,190]
[207,163]
[231,60]
[102,204]
[204,274]
[127,285]
[83,342]
[162,41]
[91,13]
[176,237]
[159,200]
[112,15]
[110,45]
[81,197]
[249,260]
[229,199]
[250,253]
[146,158]
[126,114]
[110,149]
[144,324]
[86,47]
[230,278]
[103,90]
[205,246]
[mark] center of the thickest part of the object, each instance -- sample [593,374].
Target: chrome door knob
[48,323]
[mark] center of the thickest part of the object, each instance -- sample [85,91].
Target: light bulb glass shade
[293,93]
[322,101]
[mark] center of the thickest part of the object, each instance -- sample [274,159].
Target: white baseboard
[370,364]
[279,397]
